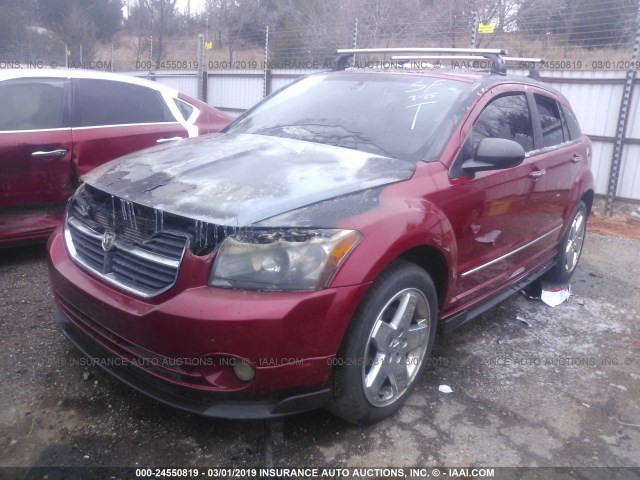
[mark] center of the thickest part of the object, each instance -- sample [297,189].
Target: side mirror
[494,154]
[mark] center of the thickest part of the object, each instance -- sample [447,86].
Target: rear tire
[386,345]
[570,247]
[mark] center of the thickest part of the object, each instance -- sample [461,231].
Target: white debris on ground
[554,295]
[445,389]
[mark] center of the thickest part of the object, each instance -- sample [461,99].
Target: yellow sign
[68,53]
[208,45]
[488,28]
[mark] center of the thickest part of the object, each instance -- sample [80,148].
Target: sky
[196,5]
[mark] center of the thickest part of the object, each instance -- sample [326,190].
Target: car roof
[467,77]
[484,78]
[15,73]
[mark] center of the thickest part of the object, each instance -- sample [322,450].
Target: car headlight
[292,259]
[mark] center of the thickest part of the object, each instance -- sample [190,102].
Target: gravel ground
[532,386]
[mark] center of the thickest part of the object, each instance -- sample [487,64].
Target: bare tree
[79,33]
[151,18]
[321,27]
[139,25]
[163,12]
[232,19]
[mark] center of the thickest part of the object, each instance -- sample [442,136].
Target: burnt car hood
[241,179]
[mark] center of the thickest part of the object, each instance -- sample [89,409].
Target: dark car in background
[306,256]
[56,125]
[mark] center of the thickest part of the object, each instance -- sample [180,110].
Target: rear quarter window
[572,123]
[185,108]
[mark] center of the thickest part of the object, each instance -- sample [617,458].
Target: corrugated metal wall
[595,98]
[629,183]
[184,81]
[235,89]
[594,95]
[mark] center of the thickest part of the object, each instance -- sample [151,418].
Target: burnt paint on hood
[328,213]
[240,179]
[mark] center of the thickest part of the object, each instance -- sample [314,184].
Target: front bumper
[208,406]
[173,347]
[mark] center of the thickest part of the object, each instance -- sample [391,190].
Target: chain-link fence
[568,35]
[590,50]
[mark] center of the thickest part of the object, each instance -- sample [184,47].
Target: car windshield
[387,114]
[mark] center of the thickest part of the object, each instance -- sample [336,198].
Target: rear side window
[32,104]
[106,102]
[185,109]
[572,124]
[550,121]
[505,117]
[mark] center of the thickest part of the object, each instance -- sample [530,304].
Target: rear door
[554,164]
[35,143]
[112,119]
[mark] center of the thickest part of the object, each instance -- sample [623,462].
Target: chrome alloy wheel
[575,239]
[396,347]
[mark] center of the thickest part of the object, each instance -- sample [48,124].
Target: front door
[490,211]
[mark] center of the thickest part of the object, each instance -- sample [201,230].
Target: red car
[56,125]
[306,256]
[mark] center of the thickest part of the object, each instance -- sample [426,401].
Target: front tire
[386,346]
[570,247]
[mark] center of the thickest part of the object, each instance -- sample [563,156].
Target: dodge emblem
[108,240]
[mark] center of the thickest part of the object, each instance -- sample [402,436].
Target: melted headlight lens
[281,259]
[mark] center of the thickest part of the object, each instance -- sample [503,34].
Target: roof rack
[495,55]
[532,63]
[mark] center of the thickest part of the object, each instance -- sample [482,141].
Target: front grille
[133,246]
[89,248]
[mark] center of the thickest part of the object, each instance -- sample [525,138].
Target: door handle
[537,174]
[166,140]
[52,153]
[576,158]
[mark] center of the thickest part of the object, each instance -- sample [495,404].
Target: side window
[550,121]
[505,117]
[185,109]
[32,104]
[107,102]
[572,123]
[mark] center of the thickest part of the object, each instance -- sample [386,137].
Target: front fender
[401,226]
